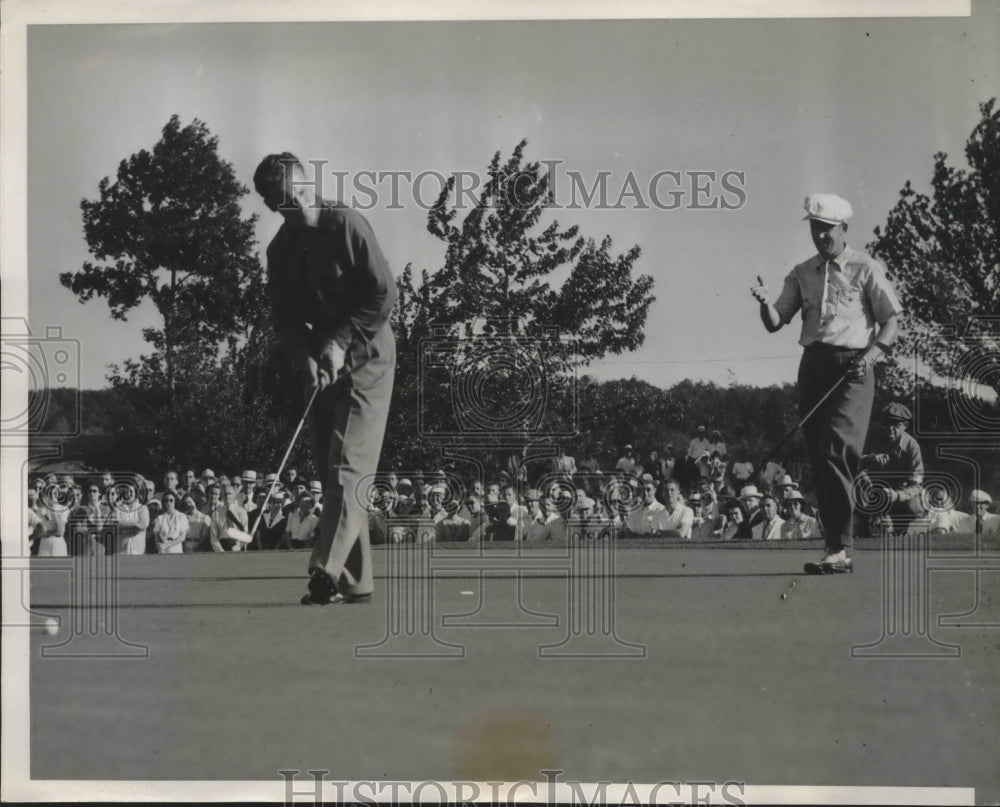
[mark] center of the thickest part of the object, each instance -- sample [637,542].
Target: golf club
[773,453]
[246,538]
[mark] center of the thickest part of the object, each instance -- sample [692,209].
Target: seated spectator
[537,528]
[500,527]
[981,521]
[199,526]
[768,528]
[249,490]
[798,526]
[452,527]
[517,519]
[435,502]
[213,498]
[704,525]
[227,513]
[298,489]
[155,508]
[733,523]
[52,531]
[132,518]
[678,519]
[273,522]
[589,521]
[301,525]
[170,527]
[648,517]
[380,505]
[752,515]
[405,503]
[474,513]
[316,491]
[89,524]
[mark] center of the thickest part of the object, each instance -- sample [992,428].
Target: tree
[214,388]
[169,230]
[943,252]
[497,282]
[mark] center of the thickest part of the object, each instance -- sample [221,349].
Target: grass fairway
[732,682]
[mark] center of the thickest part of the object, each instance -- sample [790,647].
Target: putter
[244,537]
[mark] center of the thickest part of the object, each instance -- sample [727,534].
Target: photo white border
[17,15]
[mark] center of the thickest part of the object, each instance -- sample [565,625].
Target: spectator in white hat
[750,500]
[798,525]
[849,320]
[981,521]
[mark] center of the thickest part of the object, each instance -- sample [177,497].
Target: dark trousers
[348,425]
[834,435]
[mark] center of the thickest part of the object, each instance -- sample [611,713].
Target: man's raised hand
[760,292]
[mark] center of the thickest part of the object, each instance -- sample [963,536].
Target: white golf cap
[316,486]
[980,496]
[827,207]
[249,476]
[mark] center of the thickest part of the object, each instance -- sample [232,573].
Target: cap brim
[826,221]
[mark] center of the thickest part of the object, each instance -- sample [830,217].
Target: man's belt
[825,348]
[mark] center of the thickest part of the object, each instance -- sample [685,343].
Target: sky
[850,106]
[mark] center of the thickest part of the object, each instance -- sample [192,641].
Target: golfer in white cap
[849,320]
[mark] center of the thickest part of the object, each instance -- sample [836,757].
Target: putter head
[238,535]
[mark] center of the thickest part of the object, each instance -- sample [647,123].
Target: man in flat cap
[849,320]
[897,466]
[332,294]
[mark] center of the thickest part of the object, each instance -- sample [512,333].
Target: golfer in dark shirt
[332,294]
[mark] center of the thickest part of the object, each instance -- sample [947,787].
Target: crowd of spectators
[698,493]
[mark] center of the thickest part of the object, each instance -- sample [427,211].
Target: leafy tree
[498,281]
[214,389]
[943,251]
[169,229]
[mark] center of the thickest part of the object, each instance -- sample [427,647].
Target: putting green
[686,665]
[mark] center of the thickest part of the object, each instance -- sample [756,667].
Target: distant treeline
[610,415]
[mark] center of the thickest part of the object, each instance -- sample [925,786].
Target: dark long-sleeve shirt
[332,277]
